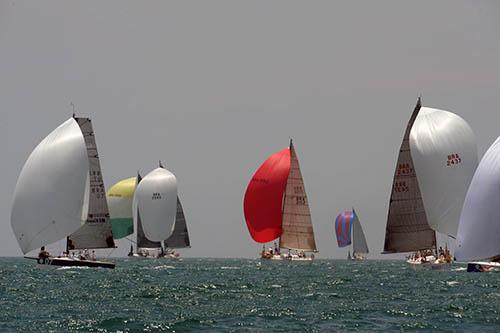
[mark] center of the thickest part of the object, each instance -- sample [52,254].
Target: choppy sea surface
[233,295]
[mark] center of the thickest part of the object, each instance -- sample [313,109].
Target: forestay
[444,152]
[479,229]
[49,198]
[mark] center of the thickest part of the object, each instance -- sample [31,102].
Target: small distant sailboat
[276,206]
[346,222]
[478,239]
[60,194]
[436,162]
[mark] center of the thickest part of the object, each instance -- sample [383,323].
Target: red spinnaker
[264,197]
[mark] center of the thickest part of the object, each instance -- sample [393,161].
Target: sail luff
[297,229]
[180,236]
[97,230]
[407,228]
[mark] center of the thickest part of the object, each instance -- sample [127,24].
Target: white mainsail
[297,229]
[51,194]
[444,153]
[479,229]
[156,197]
[358,236]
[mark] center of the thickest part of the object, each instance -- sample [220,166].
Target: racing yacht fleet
[439,190]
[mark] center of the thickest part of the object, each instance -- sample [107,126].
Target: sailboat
[346,222]
[436,162]
[276,206]
[177,236]
[478,239]
[60,194]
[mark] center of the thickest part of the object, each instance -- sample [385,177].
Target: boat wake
[63,268]
[164,267]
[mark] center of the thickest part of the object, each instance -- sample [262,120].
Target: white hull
[429,260]
[483,266]
[287,258]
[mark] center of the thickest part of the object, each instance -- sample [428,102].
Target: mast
[407,228]
[297,230]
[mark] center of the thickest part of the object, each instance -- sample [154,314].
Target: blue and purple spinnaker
[343,227]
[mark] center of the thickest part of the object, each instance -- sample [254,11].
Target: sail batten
[297,230]
[97,230]
[407,227]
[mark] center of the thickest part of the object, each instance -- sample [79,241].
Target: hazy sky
[214,87]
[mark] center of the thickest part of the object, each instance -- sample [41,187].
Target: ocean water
[233,295]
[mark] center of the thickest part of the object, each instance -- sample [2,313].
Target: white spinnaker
[479,230]
[49,197]
[156,197]
[444,153]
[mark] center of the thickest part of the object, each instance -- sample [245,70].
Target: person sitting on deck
[93,257]
[43,254]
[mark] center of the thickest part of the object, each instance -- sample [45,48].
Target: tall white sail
[156,197]
[50,196]
[444,153]
[479,229]
[358,236]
